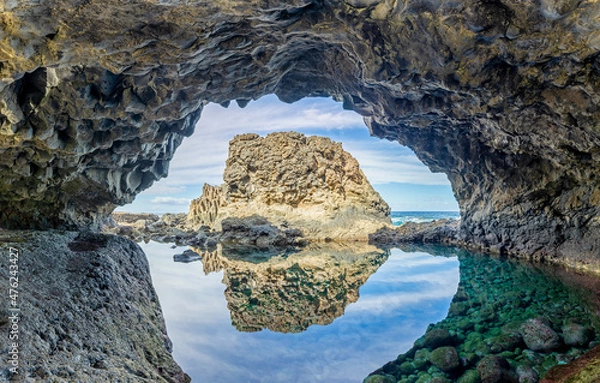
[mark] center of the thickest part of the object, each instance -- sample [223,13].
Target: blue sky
[393,170]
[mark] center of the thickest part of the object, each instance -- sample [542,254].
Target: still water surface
[335,313]
[400,294]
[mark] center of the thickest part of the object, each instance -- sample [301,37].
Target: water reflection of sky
[408,292]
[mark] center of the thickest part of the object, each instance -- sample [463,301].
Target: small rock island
[310,184]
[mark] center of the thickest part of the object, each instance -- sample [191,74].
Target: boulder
[495,369]
[577,335]
[539,336]
[445,358]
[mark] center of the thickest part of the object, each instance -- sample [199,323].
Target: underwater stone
[577,335]
[379,379]
[445,358]
[539,336]
[469,376]
[495,369]
[438,337]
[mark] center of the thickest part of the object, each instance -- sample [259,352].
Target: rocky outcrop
[438,231]
[245,234]
[296,182]
[87,311]
[146,226]
[500,95]
[288,292]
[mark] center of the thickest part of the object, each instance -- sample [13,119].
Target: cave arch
[96,96]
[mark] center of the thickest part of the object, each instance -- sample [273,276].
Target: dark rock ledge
[88,311]
[253,232]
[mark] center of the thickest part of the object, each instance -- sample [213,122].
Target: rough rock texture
[439,231]
[305,183]
[145,227]
[88,311]
[248,233]
[289,292]
[500,95]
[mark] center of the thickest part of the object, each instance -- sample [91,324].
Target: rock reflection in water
[288,292]
[396,303]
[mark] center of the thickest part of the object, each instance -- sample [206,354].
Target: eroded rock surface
[88,311]
[305,183]
[500,95]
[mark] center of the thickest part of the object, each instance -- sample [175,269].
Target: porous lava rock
[501,96]
[307,184]
[82,308]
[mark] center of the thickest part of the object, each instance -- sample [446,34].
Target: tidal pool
[322,315]
[337,313]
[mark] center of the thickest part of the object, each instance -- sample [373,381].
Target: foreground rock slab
[88,311]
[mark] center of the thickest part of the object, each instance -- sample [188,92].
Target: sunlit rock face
[290,292]
[310,184]
[499,95]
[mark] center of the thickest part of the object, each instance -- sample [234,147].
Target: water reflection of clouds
[397,303]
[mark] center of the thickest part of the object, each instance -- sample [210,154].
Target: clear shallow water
[360,307]
[400,217]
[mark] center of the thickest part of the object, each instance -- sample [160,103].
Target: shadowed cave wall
[501,95]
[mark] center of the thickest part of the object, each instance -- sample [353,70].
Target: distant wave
[400,217]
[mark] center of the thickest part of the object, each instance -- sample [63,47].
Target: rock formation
[306,183]
[500,95]
[289,292]
[88,311]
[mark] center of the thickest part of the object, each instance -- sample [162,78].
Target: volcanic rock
[88,311]
[539,336]
[95,97]
[304,183]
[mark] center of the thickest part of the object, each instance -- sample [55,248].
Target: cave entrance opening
[403,181]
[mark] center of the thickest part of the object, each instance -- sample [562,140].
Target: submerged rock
[501,303]
[539,336]
[308,184]
[445,358]
[495,369]
[575,334]
[187,256]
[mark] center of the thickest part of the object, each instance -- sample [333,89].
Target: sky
[393,170]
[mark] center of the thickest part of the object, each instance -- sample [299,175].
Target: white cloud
[170,201]
[162,188]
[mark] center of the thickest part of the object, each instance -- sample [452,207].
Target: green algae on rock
[507,322]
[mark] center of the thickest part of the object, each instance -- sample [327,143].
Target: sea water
[335,313]
[400,217]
